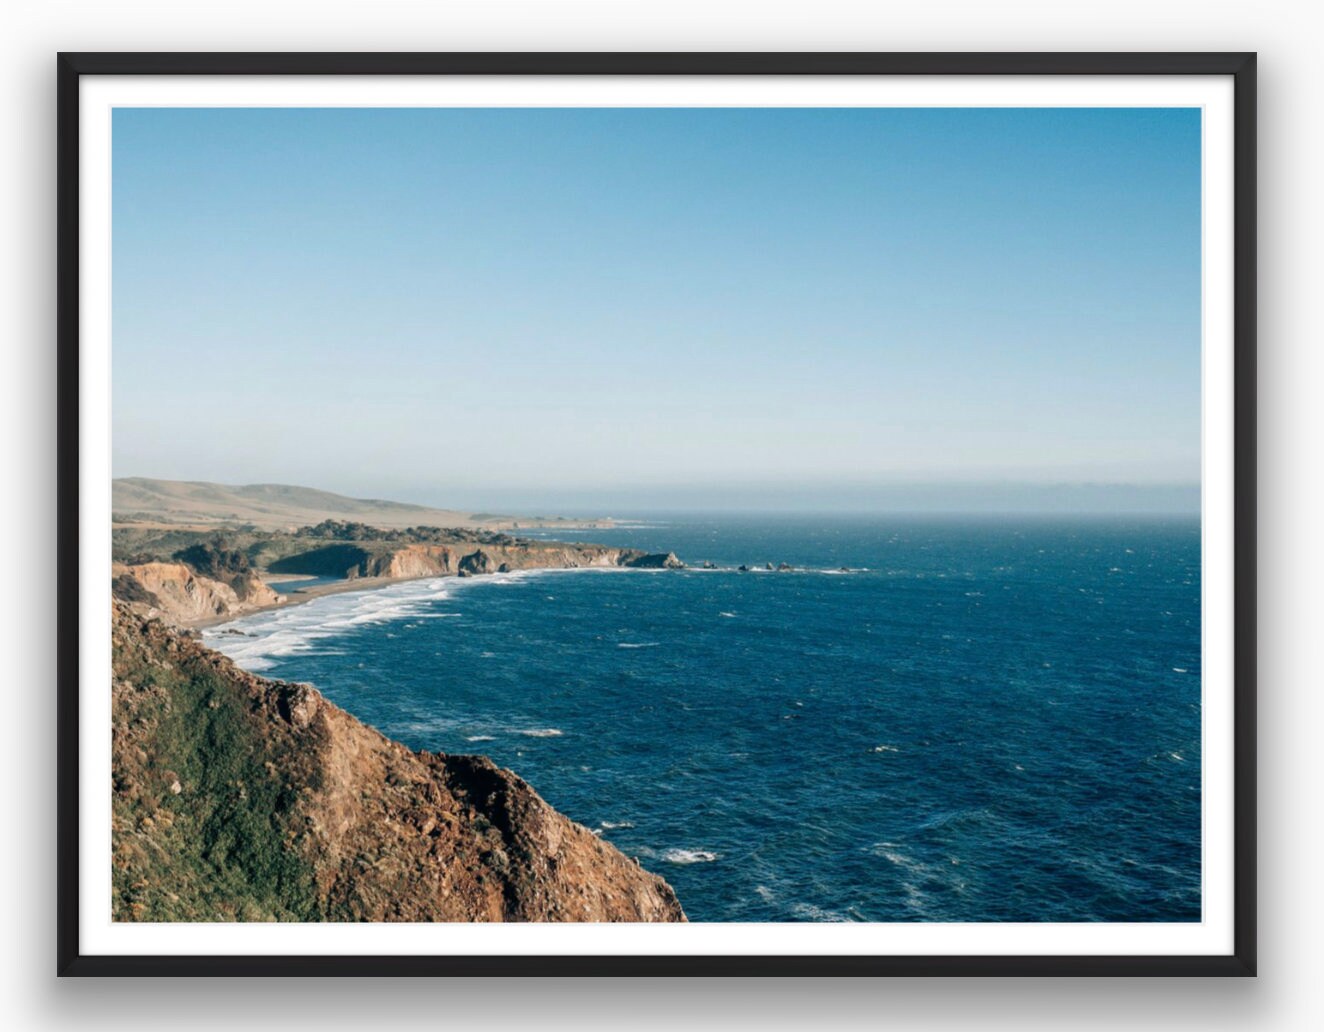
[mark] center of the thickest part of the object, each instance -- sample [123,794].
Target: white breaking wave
[611,826]
[689,856]
[637,645]
[266,637]
[294,630]
[812,912]
[542,732]
[896,857]
[479,738]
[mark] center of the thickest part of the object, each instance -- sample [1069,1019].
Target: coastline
[354,584]
[462,856]
[425,837]
[364,584]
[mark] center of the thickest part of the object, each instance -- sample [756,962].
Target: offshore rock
[656,561]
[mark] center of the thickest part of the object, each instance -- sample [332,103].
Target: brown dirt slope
[179,592]
[237,798]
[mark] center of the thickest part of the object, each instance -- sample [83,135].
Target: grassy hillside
[236,798]
[279,506]
[217,850]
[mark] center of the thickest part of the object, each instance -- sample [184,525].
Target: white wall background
[1286,34]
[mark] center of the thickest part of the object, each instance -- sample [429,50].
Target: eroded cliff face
[240,798]
[428,560]
[176,591]
[208,581]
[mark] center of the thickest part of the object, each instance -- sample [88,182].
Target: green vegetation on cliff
[201,812]
[236,798]
[224,555]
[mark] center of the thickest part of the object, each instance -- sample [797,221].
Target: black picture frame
[1239,66]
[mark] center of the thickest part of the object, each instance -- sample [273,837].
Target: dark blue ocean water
[985,720]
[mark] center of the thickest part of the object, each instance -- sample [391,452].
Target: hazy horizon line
[893,497]
[910,482]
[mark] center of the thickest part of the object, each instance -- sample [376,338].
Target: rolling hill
[278,506]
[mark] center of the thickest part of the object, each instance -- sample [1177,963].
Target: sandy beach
[307,594]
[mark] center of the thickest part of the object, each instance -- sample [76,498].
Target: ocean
[927,719]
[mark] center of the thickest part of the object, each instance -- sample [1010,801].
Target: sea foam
[293,630]
[268,636]
[689,856]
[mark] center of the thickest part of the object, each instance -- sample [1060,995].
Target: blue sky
[513,307]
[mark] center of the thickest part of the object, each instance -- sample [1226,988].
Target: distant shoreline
[149,504]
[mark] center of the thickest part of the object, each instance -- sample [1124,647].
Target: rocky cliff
[178,592]
[465,558]
[207,580]
[242,799]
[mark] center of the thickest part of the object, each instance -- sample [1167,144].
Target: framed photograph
[732,514]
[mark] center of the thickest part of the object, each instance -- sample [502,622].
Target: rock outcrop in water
[237,798]
[655,561]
